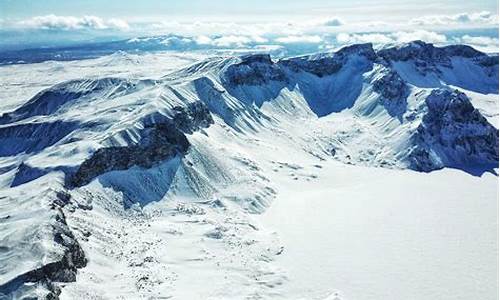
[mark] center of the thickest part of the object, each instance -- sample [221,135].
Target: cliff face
[394,92]
[453,133]
[50,246]
[158,142]
[198,133]
[230,88]
[260,69]
[253,70]
[448,130]
[327,64]
[419,50]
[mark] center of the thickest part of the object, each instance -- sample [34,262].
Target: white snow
[19,82]
[258,208]
[371,233]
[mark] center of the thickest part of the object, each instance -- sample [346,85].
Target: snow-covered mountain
[98,175]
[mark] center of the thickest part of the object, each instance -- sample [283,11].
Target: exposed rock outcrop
[451,133]
[148,128]
[253,70]
[159,142]
[427,56]
[62,268]
[328,64]
[420,50]
[394,92]
[192,117]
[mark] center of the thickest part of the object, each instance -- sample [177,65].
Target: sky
[230,9]
[25,23]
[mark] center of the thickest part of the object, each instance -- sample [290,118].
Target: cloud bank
[393,37]
[53,22]
[294,36]
[477,18]
[330,24]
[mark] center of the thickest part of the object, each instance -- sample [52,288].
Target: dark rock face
[327,65]
[427,54]
[365,50]
[421,160]
[259,69]
[159,142]
[487,61]
[414,50]
[192,117]
[62,199]
[256,58]
[63,269]
[320,67]
[391,86]
[253,70]
[394,92]
[453,132]
[461,51]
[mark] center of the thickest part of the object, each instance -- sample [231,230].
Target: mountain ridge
[127,143]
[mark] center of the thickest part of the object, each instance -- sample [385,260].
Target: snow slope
[158,184]
[367,233]
[20,82]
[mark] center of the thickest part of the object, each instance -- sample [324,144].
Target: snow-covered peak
[211,132]
[428,52]
[453,133]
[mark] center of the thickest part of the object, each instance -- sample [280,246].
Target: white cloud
[482,40]
[118,24]
[203,40]
[479,18]
[424,35]
[164,24]
[54,22]
[294,39]
[377,38]
[393,37]
[175,41]
[482,43]
[310,35]
[229,40]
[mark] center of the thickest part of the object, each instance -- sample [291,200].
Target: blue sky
[231,9]
[232,22]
